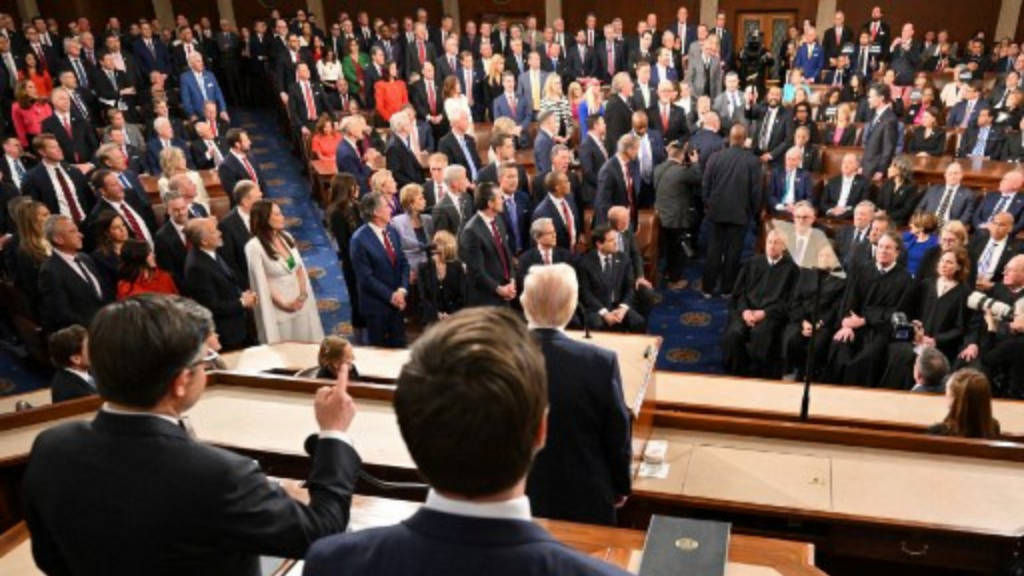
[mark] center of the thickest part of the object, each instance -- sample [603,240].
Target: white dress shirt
[515,509]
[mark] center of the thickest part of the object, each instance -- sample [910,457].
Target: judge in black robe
[943,318]
[872,297]
[750,345]
[795,345]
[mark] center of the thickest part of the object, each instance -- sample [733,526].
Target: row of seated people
[929,278]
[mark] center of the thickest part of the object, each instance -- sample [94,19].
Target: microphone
[310,447]
[586,324]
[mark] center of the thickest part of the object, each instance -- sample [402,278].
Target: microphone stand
[805,403]
[586,324]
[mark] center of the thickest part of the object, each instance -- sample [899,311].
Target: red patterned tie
[568,224]
[133,223]
[389,249]
[69,197]
[310,106]
[501,247]
[248,168]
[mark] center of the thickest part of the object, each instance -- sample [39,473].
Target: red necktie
[611,60]
[512,104]
[547,257]
[213,126]
[423,52]
[42,59]
[389,248]
[69,197]
[67,125]
[248,168]
[431,98]
[664,118]
[310,107]
[501,247]
[129,218]
[568,223]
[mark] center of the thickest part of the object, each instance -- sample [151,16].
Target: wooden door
[772,25]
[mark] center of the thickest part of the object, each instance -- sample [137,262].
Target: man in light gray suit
[704,73]
[949,202]
[730,103]
[531,83]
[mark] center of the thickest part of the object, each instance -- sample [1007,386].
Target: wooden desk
[748,555]
[831,405]
[36,398]
[979,175]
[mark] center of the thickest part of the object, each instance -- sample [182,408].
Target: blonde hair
[408,195]
[332,349]
[447,247]
[549,91]
[549,295]
[378,179]
[171,159]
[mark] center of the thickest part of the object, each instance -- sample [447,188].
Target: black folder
[684,547]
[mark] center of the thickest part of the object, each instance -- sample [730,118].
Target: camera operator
[937,308]
[755,61]
[995,345]
[677,186]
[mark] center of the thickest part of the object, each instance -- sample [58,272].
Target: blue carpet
[690,327]
[17,377]
[287,186]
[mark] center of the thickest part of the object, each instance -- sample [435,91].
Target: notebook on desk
[676,546]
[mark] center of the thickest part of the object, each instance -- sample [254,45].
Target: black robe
[760,286]
[801,309]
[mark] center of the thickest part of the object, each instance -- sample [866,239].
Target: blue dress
[916,249]
[584,112]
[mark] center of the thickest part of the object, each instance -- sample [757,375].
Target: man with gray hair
[930,371]
[348,157]
[544,252]
[618,112]
[206,151]
[71,288]
[170,243]
[76,136]
[199,85]
[382,273]
[164,137]
[456,208]
[618,182]
[459,146]
[399,155]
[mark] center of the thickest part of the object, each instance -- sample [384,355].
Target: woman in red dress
[139,274]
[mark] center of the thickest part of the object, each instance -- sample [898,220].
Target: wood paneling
[196,9]
[575,12]
[385,10]
[803,9]
[961,18]
[11,7]
[97,11]
[248,10]
[513,9]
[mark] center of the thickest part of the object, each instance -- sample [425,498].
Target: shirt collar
[514,509]
[111,410]
[210,253]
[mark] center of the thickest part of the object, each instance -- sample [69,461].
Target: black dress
[943,318]
[898,203]
[343,228]
[108,263]
[933,145]
[491,92]
[446,296]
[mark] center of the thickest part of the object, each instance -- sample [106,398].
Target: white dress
[275,276]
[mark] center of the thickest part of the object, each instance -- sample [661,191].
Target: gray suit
[697,78]
[721,107]
[414,251]
[880,143]
[961,208]
[447,217]
[525,88]
[674,185]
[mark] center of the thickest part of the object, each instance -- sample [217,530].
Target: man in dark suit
[114,89]
[171,244]
[557,207]
[164,138]
[770,128]
[547,129]
[554,61]
[284,75]
[608,57]
[593,156]
[607,285]
[949,202]
[790,184]
[732,197]
[482,363]
[238,164]
[544,251]
[207,152]
[618,181]
[111,197]
[990,250]
[401,160]
[460,147]
[618,112]
[517,208]
[578,58]
[306,101]
[880,134]
[666,117]
[210,281]
[651,152]
[844,191]
[484,249]
[510,105]
[905,58]
[83,69]
[184,48]
[419,52]
[70,195]
[71,287]
[448,62]
[965,113]
[453,211]
[70,359]
[852,237]
[138,438]
[349,160]
[151,52]
[561,159]
[76,136]
[425,96]
[382,273]
[982,140]
[236,232]
[504,150]
[833,40]
[1008,200]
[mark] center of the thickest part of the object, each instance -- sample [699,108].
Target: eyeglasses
[207,362]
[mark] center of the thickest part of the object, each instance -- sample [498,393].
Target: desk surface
[637,354]
[39,397]
[847,403]
[966,494]
[748,555]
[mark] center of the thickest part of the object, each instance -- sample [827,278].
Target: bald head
[1011,182]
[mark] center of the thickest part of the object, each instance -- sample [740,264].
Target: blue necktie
[979,146]
[469,159]
[510,209]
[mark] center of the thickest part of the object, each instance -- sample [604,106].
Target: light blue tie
[979,146]
[790,194]
[469,159]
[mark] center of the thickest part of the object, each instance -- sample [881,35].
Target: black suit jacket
[585,465]
[546,208]
[217,288]
[236,236]
[170,253]
[231,171]
[80,145]
[533,257]
[447,217]
[403,163]
[677,125]
[38,185]
[412,57]
[596,292]
[834,190]
[577,66]
[198,150]
[67,386]
[934,145]
[993,146]
[976,250]
[486,267]
[65,297]
[1013,150]
[449,146]
[297,110]
[223,510]
[592,158]
[780,138]
[420,101]
[618,118]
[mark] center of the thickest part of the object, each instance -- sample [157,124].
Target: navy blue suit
[986,209]
[518,235]
[801,187]
[547,209]
[521,115]
[153,148]
[350,162]
[585,464]
[542,146]
[435,543]
[377,279]
[159,59]
[956,114]
[611,188]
